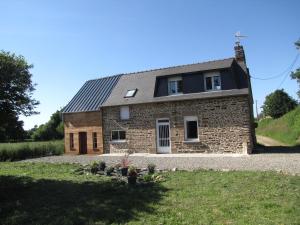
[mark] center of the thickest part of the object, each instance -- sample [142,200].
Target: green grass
[285,129]
[24,150]
[52,194]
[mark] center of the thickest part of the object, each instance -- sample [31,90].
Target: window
[191,128]
[175,85]
[130,93]
[95,145]
[71,141]
[212,82]
[124,112]
[118,135]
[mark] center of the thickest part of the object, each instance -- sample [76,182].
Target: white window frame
[117,140]
[124,112]
[172,79]
[212,75]
[186,119]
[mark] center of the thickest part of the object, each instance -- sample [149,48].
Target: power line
[280,74]
[288,73]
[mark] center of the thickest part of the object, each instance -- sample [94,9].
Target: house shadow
[261,149]
[27,201]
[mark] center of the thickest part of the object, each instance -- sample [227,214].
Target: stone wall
[88,122]
[223,126]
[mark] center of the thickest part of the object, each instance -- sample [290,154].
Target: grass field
[23,150]
[285,129]
[53,194]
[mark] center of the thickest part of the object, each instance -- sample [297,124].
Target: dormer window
[130,93]
[212,82]
[175,85]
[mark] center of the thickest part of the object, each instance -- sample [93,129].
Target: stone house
[195,108]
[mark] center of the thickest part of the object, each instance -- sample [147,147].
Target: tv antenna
[239,37]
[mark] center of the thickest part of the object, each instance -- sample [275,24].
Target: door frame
[82,144]
[168,150]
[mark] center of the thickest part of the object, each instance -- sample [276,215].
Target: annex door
[82,143]
[163,136]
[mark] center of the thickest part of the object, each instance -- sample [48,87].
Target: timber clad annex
[196,108]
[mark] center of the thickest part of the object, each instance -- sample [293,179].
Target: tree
[296,75]
[51,130]
[278,103]
[16,89]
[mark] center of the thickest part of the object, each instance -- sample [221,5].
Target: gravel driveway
[285,162]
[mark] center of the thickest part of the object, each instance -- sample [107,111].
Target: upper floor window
[175,85]
[124,112]
[130,93]
[212,82]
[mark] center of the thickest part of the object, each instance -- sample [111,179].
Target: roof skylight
[130,93]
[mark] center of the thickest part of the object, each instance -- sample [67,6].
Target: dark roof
[144,82]
[92,95]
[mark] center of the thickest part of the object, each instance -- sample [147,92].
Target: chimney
[239,53]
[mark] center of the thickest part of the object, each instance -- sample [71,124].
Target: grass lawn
[52,194]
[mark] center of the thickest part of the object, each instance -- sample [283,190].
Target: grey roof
[92,95]
[144,82]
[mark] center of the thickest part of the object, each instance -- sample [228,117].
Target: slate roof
[144,82]
[92,95]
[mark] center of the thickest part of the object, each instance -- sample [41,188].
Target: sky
[69,42]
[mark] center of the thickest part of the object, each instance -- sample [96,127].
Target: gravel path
[285,162]
[266,141]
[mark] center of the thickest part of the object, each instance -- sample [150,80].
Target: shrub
[102,165]
[132,171]
[94,167]
[24,150]
[151,168]
[110,170]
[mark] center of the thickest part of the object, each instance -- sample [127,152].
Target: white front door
[163,136]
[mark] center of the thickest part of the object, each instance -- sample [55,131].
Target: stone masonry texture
[224,126]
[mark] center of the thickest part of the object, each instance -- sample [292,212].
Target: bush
[132,171]
[102,165]
[151,168]
[110,170]
[25,150]
[94,168]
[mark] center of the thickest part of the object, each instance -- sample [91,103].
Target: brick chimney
[239,53]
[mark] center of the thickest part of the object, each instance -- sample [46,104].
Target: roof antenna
[238,37]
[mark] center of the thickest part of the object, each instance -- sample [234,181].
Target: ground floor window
[118,135]
[95,144]
[191,128]
[71,141]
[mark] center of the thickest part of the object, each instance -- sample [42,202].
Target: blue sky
[70,42]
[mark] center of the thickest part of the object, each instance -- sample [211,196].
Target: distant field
[285,129]
[24,150]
